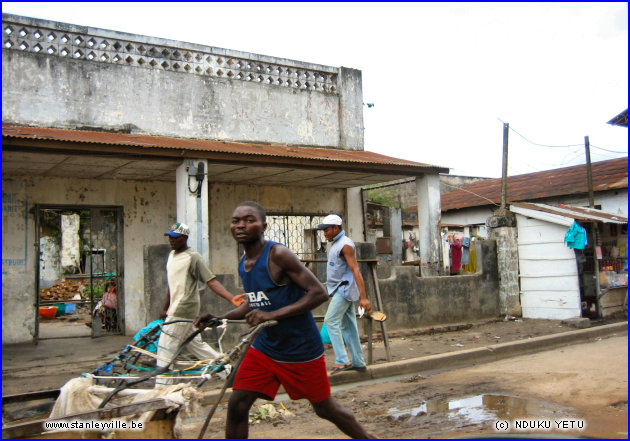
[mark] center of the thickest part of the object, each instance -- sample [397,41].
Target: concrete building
[125,134]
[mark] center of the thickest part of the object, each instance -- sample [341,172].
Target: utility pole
[502,228]
[591,204]
[506,130]
[591,196]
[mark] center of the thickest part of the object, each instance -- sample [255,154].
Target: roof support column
[355,214]
[428,190]
[192,203]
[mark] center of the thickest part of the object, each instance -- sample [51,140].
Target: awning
[114,155]
[565,214]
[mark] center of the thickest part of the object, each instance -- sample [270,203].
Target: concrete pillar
[354,214]
[350,88]
[429,211]
[395,225]
[193,210]
[502,229]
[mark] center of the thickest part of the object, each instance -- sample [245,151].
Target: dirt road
[52,363]
[584,386]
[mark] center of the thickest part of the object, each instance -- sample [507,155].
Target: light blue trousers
[341,323]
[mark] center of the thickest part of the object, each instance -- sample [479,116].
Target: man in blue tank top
[279,287]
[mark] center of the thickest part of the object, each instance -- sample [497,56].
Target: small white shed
[548,268]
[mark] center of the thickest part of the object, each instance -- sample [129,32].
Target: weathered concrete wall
[411,301]
[66,76]
[148,210]
[286,200]
[18,265]
[453,182]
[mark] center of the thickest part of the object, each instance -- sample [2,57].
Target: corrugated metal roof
[607,175]
[295,155]
[576,213]
[620,120]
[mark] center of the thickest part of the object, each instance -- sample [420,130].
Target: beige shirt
[183,271]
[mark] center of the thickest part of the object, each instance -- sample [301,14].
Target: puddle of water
[473,410]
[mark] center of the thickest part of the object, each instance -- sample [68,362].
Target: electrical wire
[572,156]
[561,146]
[540,145]
[606,150]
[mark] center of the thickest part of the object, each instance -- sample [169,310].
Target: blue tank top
[294,339]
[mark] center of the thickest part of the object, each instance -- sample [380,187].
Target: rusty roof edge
[293,154]
[574,212]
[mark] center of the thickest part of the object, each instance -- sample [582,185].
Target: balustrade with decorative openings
[103,49]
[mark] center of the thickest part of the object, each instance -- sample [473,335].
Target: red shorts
[259,373]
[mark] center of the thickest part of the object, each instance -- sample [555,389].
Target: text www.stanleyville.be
[93,425]
[539,424]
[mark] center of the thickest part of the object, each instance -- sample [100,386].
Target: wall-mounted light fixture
[198,171]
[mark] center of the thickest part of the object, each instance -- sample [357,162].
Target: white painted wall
[148,209]
[547,271]
[468,216]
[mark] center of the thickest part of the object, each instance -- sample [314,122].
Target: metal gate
[299,233]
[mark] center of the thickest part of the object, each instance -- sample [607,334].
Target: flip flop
[376,315]
[339,367]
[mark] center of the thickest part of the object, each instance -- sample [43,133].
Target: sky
[441,79]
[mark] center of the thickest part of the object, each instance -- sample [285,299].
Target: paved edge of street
[450,360]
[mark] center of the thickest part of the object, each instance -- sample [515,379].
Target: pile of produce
[64,290]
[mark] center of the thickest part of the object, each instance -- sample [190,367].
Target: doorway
[79,277]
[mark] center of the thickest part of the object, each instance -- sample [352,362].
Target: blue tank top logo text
[258,299]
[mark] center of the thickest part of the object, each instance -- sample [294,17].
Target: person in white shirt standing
[184,268]
[346,288]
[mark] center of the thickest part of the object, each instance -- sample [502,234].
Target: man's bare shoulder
[281,255]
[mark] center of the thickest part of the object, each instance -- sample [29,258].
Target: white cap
[329,221]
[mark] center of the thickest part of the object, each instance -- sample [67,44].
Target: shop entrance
[605,265]
[79,284]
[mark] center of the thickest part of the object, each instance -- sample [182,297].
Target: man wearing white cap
[345,287]
[184,268]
